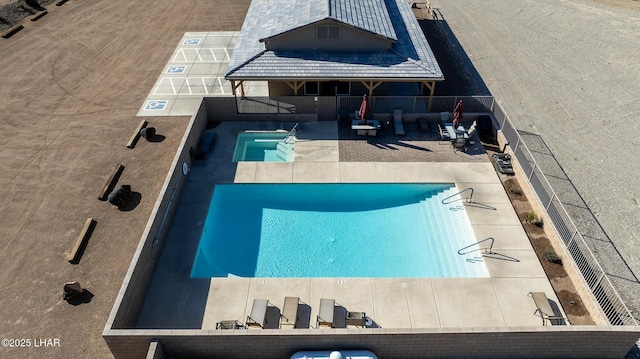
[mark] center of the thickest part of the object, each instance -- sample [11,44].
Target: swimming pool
[336,230]
[264,147]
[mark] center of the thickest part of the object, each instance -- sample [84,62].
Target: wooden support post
[371,86]
[295,86]
[431,85]
[234,87]
[136,135]
[74,256]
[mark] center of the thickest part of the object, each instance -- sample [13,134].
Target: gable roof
[294,14]
[410,57]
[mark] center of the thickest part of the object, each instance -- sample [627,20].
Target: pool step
[282,151]
[445,227]
[438,228]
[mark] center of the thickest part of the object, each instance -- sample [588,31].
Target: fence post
[546,209]
[532,171]
[572,239]
[597,282]
[514,148]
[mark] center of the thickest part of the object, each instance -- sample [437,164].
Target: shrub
[551,256]
[532,218]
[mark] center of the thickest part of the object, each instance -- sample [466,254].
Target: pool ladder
[485,250]
[291,133]
[468,200]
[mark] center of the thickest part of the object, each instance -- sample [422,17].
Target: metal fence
[277,104]
[596,278]
[378,104]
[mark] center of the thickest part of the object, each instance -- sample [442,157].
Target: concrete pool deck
[498,301]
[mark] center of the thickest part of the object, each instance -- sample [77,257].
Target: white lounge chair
[325,315]
[258,316]
[289,314]
[543,308]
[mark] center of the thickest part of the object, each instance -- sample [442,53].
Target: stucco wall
[530,342]
[350,39]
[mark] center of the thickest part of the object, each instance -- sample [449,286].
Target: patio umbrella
[364,108]
[457,114]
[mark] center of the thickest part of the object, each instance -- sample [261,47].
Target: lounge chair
[289,314]
[397,121]
[258,316]
[229,324]
[503,162]
[358,319]
[543,308]
[325,315]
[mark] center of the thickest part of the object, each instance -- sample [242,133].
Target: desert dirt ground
[71,86]
[73,81]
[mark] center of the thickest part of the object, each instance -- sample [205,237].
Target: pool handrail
[293,130]
[489,250]
[468,200]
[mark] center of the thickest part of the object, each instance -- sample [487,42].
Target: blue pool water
[263,147]
[336,230]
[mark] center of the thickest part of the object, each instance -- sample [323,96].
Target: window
[311,88]
[343,88]
[328,31]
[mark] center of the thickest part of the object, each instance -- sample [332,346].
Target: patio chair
[325,315]
[472,129]
[543,308]
[397,121]
[289,314]
[459,143]
[444,134]
[258,316]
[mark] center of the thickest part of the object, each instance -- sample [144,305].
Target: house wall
[351,39]
[280,88]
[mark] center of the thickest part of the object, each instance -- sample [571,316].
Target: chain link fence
[581,250]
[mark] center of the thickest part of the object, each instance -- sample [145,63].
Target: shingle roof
[287,15]
[409,58]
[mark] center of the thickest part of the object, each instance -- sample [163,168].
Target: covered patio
[285,45]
